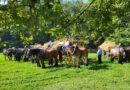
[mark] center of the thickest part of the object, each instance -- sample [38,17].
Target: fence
[92,50]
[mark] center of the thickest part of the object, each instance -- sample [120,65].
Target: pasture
[26,76]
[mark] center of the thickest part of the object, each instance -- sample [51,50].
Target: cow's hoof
[38,66]
[78,66]
[120,62]
[74,66]
[43,67]
[55,65]
[85,64]
[100,63]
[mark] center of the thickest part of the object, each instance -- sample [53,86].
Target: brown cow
[43,55]
[78,54]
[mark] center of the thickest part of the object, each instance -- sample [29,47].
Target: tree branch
[100,6]
[5,7]
[78,16]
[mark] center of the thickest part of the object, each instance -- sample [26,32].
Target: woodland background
[24,22]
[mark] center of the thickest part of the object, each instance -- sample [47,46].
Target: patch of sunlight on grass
[26,76]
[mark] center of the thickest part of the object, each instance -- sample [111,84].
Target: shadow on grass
[98,67]
[57,68]
[60,66]
[94,65]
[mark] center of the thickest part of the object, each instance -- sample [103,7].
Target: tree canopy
[38,21]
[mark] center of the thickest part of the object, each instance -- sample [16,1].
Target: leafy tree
[38,21]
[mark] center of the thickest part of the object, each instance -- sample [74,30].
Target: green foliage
[103,20]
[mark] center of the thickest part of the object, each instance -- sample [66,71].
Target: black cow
[8,52]
[127,54]
[18,53]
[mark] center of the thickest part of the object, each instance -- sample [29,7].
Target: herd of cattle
[39,55]
[75,54]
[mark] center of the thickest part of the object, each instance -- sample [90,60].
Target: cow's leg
[70,59]
[78,62]
[128,59]
[15,58]
[32,60]
[56,61]
[120,60]
[5,57]
[66,59]
[50,62]
[86,61]
[25,59]
[74,61]
[60,56]
[112,59]
[9,57]
[18,58]
[42,62]
[38,63]
[125,59]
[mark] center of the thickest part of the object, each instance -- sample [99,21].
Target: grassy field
[26,76]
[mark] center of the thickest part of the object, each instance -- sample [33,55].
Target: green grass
[26,76]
